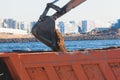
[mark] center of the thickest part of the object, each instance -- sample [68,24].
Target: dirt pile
[60,42]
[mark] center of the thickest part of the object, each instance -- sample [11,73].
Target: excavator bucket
[45,31]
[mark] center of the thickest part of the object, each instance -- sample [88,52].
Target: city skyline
[30,10]
[72,27]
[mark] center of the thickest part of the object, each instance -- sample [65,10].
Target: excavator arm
[70,5]
[44,30]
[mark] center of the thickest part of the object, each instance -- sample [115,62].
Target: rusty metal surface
[79,65]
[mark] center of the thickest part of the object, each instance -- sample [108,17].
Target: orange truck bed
[77,65]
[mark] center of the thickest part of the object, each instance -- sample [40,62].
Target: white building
[1,21]
[71,27]
[12,31]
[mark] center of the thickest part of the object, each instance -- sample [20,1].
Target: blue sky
[28,10]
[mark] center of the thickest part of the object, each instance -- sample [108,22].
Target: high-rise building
[17,25]
[20,25]
[84,26]
[9,23]
[79,29]
[61,27]
[87,26]
[116,25]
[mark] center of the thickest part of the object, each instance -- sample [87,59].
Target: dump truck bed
[77,65]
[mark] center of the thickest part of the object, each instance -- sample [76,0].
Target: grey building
[79,29]
[61,27]
[9,23]
[84,26]
[20,25]
[116,25]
